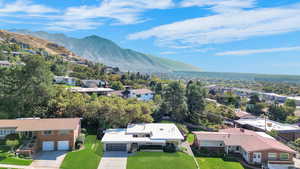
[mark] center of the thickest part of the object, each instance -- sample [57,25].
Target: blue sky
[256,36]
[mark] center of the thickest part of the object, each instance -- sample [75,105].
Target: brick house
[254,147]
[43,134]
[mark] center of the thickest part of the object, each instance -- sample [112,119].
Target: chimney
[242,130]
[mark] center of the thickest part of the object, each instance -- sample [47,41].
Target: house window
[272,156]
[284,156]
[48,132]
[64,132]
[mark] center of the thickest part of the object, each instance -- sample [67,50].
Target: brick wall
[56,136]
[264,157]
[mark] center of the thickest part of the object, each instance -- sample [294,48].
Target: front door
[257,157]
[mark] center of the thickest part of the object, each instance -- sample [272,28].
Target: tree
[175,100]
[117,85]
[278,113]
[195,100]
[12,144]
[290,106]
[25,90]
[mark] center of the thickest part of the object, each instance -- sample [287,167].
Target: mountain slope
[105,51]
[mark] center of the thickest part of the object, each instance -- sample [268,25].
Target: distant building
[240,114]
[256,148]
[98,91]
[93,83]
[5,63]
[71,81]
[111,70]
[286,131]
[140,94]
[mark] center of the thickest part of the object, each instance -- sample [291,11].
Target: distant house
[71,81]
[139,136]
[254,147]
[287,132]
[5,63]
[43,134]
[140,94]
[93,83]
[240,114]
[111,70]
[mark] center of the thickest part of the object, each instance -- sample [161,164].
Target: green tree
[175,100]
[195,100]
[117,85]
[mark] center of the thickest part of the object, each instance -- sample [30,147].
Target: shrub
[83,130]
[12,136]
[169,148]
[79,141]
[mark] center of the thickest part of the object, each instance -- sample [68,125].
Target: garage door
[63,145]
[116,147]
[48,145]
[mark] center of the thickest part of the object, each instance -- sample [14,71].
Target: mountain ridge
[99,49]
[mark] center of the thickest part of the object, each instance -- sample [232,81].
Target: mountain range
[105,51]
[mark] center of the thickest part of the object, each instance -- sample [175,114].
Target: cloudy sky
[258,36]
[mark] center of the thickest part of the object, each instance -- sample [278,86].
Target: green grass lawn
[88,158]
[218,163]
[160,160]
[6,158]
[190,138]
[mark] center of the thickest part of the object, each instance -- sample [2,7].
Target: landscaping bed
[89,157]
[160,160]
[7,158]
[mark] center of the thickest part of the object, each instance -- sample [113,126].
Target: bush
[169,148]
[84,130]
[79,141]
[12,136]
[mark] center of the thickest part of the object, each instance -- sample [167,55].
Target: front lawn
[160,160]
[88,158]
[6,158]
[218,163]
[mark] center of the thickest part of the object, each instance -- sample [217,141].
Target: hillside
[28,41]
[105,51]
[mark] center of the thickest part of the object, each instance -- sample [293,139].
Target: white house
[65,80]
[141,94]
[135,136]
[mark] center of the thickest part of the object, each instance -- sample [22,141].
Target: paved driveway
[48,160]
[113,160]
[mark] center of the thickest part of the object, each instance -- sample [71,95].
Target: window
[49,132]
[272,156]
[284,156]
[237,148]
[64,132]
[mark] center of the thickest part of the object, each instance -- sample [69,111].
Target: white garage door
[48,145]
[63,145]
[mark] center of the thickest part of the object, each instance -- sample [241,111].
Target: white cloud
[256,51]
[220,5]
[225,27]
[25,6]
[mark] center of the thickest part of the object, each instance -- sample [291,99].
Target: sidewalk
[13,166]
[189,151]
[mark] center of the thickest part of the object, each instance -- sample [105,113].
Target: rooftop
[159,133]
[88,90]
[41,124]
[249,140]
[141,91]
[270,125]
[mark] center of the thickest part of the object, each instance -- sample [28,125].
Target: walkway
[113,160]
[13,166]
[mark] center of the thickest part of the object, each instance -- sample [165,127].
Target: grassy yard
[6,158]
[218,163]
[160,160]
[88,158]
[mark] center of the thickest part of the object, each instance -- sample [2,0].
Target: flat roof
[159,133]
[88,90]
[270,125]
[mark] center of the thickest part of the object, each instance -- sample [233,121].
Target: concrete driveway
[113,160]
[48,160]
